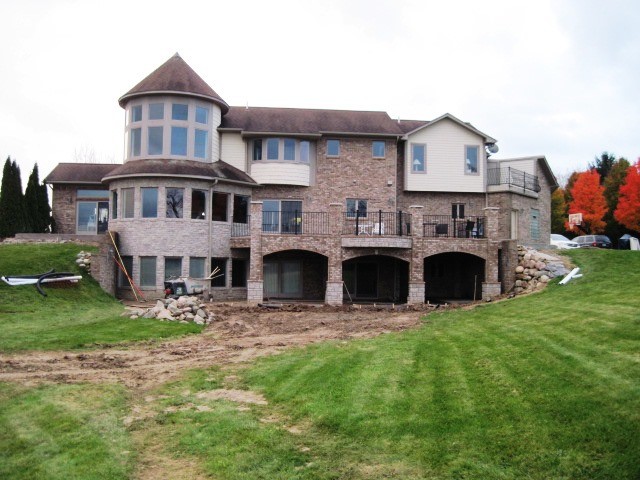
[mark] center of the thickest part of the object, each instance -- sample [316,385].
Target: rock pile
[535,269]
[183,309]
[83,260]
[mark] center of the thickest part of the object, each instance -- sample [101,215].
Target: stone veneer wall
[64,206]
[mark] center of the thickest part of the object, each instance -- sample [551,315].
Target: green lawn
[76,317]
[545,386]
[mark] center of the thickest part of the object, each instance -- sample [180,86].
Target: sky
[556,78]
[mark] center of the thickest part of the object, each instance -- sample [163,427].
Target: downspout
[215,182]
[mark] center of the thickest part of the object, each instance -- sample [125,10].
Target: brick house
[304,204]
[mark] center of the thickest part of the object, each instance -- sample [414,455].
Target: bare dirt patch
[239,333]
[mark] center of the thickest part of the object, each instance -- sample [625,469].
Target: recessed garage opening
[295,275]
[375,278]
[453,277]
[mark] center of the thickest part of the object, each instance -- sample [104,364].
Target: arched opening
[453,276]
[295,275]
[375,278]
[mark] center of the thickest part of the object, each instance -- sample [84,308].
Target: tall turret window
[171,127]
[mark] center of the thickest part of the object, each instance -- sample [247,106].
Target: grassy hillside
[73,317]
[544,386]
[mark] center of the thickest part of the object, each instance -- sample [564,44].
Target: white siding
[445,159]
[233,150]
[527,165]
[281,173]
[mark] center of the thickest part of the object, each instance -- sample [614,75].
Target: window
[219,265]
[333,148]
[179,111]
[127,263]
[289,149]
[198,204]
[156,111]
[147,271]
[304,151]
[136,136]
[356,205]
[219,207]
[282,216]
[175,202]
[87,217]
[257,149]
[200,146]
[172,267]
[418,152]
[93,194]
[202,115]
[535,224]
[238,272]
[471,159]
[127,203]
[272,148]
[114,204]
[149,202]
[136,113]
[457,210]
[178,140]
[240,208]
[155,141]
[378,148]
[196,267]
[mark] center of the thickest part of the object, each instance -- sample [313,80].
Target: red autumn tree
[588,199]
[628,210]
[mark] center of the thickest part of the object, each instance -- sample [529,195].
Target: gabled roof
[305,121]
[180,168]
[174,77]
[79,173]
[448,116]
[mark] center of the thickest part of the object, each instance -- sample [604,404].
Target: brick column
[491,287]
[416,268]
[255,283]
[333,293]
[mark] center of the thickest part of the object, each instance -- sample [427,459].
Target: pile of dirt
[239,333]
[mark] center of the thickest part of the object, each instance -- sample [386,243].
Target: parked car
[561,241]
[600,241]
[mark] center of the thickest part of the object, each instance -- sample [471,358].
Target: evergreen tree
[603,165]
[558,211]
[11,200]
[36,204]
[612,184]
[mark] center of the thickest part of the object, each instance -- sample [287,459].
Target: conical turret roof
[174,77]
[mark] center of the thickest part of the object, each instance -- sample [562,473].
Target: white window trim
[281,142]
[466,171]
[424,160]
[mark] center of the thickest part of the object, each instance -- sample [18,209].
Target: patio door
[281,216]
[282,279]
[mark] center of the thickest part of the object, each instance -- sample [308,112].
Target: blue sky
[557,78]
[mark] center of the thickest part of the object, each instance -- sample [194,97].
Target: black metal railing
[241,229]
[295,223]
[434,226]
[513,177]
[377,223]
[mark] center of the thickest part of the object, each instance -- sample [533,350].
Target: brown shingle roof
[180,168]
[79,173]
[174,77]
[308,121]
[410,125]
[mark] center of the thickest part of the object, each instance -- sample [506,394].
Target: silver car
[562,242]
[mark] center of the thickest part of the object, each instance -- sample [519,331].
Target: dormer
[172,114]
